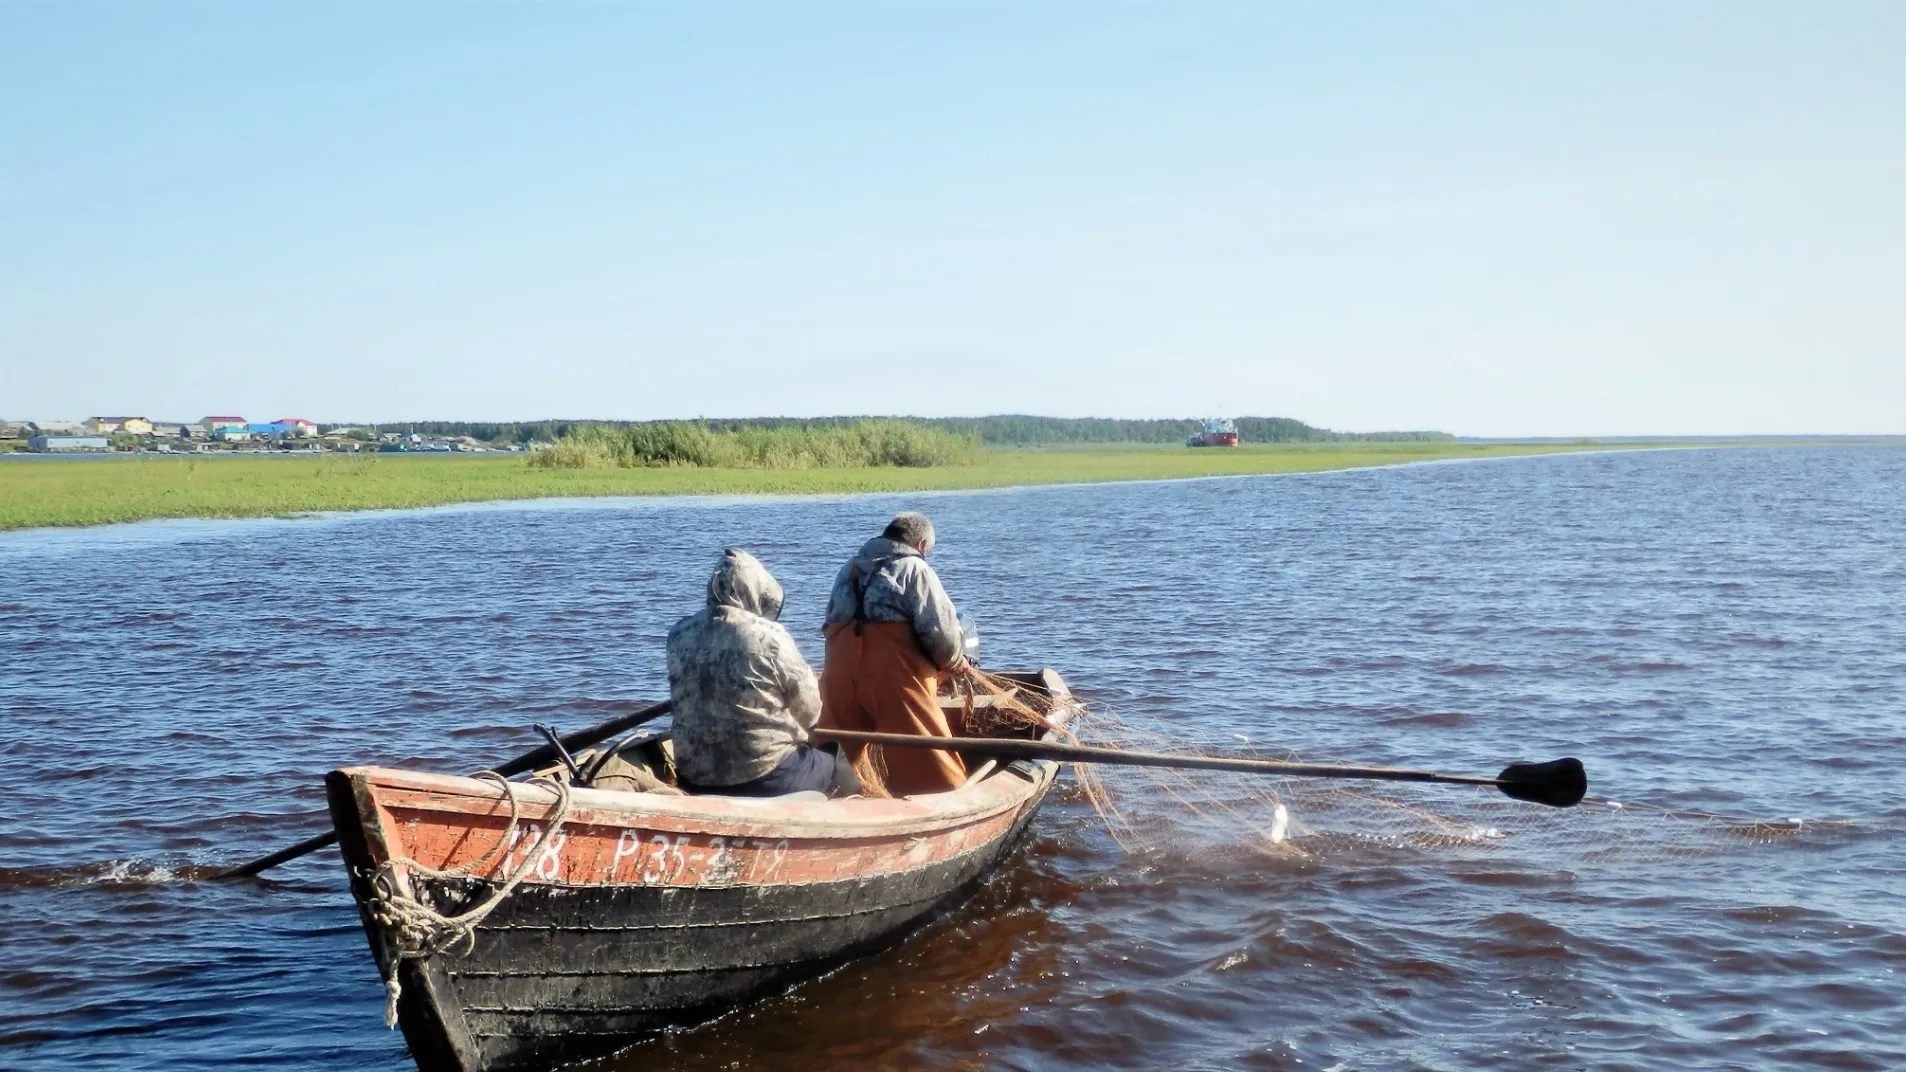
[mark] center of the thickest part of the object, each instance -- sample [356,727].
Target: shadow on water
[941,991]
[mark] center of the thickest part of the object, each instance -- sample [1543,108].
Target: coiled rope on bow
[414,929]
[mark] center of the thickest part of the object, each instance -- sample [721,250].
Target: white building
[55,444]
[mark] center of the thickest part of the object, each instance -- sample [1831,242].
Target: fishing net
[995,706]
[975,705]
[1150,809]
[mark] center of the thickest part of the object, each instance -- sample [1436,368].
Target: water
[1716,629]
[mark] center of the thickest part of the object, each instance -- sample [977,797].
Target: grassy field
[96,491]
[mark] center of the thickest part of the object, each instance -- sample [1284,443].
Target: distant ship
[1217,433]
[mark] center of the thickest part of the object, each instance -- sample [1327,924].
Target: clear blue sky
[1550,219]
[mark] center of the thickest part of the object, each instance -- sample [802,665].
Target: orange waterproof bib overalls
[877,681]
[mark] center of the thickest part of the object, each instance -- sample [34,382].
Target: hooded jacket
[744,696]
[896,585]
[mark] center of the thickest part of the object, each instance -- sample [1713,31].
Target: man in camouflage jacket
[744,696]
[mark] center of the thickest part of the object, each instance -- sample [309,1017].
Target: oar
[1559,783]
[530,760]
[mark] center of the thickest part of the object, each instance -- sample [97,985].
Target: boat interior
[1019,706]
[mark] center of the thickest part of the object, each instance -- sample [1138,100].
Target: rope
[415,930]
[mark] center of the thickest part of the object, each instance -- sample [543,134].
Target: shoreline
[131,490]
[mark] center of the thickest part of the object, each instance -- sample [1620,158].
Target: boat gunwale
[847,819]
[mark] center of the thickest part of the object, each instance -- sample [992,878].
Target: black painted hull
[561,973]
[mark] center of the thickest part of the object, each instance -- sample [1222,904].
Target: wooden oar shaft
[285,855]
[544,755]
[528,761]
[1079,753]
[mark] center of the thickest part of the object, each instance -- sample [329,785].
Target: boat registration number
[653,858]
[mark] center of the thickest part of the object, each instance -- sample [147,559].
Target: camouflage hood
[741,582]
[744,696]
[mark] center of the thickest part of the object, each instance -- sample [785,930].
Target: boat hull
[650,911]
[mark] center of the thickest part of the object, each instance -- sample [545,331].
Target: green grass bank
[98,491]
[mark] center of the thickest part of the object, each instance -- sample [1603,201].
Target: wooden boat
[650,910]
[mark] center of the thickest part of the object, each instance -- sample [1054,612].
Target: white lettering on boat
[628,844]
[721,866]
[658,858]
[666,860]
[551,865]
[526,833]
[780,851]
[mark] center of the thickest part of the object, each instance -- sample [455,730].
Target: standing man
[891,634]
[744,697]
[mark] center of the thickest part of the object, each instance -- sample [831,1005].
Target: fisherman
[892,633]
[744,697]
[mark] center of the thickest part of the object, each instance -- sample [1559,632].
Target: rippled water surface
[1715,629]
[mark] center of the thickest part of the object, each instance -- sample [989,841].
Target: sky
[1488,219]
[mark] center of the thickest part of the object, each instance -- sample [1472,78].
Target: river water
[1708,629]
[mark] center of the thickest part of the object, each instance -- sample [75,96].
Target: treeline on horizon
[1002,430]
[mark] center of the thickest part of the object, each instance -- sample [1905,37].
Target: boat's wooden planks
[654,911]
[650,854]
[555,928]
[564,1002]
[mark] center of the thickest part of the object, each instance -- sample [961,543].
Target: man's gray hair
[912,529]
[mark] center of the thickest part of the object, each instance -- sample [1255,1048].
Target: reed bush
[861,444]
[588,447]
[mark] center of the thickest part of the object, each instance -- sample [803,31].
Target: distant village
[209,435]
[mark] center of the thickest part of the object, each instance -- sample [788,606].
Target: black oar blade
[1559,783]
